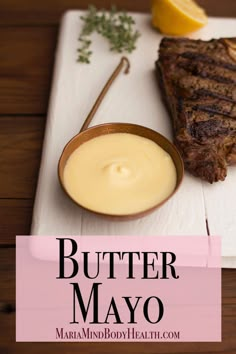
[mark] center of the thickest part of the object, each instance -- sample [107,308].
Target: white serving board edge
[134,99]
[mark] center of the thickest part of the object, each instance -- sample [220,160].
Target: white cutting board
[134,98]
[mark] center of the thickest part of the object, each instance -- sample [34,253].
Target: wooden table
[28,36]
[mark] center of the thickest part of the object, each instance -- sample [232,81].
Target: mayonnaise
[119,174]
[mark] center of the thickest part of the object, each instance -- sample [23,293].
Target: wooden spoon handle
[124,61]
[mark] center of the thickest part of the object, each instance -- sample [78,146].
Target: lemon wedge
[177,17]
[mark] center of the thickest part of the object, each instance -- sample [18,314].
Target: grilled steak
[198,82]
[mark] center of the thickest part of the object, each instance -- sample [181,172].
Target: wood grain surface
[28,38]
[22,12]
[20,146]
[26,62]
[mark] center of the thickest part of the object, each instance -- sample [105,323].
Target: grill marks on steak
[214,106]
[210,129]
[198,82]
[216,73]
[193,85]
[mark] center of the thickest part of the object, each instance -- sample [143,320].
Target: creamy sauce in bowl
[119,174]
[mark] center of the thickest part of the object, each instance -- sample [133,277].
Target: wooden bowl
[111,128]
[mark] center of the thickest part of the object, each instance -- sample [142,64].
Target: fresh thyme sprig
[116,27]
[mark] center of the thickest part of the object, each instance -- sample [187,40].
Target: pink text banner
[118,288]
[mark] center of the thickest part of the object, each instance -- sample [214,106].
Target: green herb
[116,27]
